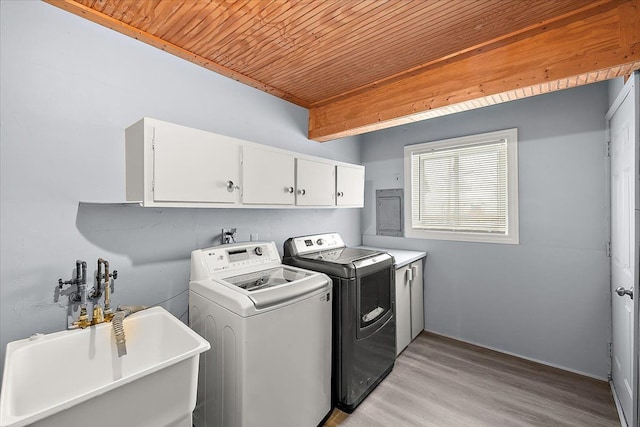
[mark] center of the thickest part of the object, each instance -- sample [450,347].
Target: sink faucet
[107,314]
[78,293]
[80,282]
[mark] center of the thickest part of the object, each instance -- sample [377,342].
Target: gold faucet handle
[83,320]
[98,315]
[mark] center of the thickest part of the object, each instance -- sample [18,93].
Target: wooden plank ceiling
[362,65]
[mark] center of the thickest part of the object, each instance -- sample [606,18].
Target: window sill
[413,233]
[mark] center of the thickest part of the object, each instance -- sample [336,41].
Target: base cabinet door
[403,308]
[417,299]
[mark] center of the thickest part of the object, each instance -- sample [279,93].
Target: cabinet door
[191,165]
[350,185]
[267,177]
[403,309]
[315,183]
[417,299]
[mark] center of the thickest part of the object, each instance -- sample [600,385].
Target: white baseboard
[542,362]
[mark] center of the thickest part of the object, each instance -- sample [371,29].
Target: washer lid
[276,286]
[264,279]
[251,293]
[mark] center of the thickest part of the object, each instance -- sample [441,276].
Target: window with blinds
[464,188]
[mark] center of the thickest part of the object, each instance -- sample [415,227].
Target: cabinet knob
[340,194]
[302,192]
[289,190]
[622,291]
[231,186]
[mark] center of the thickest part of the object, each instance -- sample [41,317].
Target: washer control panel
[240,255]
[319,242]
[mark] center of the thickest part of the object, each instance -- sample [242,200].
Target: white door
[623,125]
[417,299]
[267,177]
[403,309]
[315,183]
[191,165]
[350,186]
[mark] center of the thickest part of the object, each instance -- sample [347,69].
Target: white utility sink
[75,377]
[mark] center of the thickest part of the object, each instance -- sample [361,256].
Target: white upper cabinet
[268,177]
[315,183]
[350,185]
[175,166]
[191,165]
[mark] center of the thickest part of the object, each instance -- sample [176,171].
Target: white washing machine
[269,326]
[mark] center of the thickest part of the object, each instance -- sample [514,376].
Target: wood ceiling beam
[596,45]
[128,30]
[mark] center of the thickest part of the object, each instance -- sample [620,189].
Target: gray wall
[547,298]
[615,86]
[69,89]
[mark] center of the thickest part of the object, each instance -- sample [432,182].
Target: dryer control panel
[319,242]
[239,256]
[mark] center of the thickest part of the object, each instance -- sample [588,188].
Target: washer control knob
[258,250]
[320,241]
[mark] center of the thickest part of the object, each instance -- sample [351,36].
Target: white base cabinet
[403,308]
[417,298]
[409,304]
[168,165]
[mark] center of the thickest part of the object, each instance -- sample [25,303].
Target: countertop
[401,256]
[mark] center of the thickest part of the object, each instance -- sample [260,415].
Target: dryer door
[374,296]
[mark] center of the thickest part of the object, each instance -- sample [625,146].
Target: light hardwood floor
[439,381]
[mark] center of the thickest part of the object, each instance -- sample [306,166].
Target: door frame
[632,85]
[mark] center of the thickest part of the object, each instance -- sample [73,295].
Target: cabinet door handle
[231,186]
[302,192]
[409,274]
[289,190]
[414,271]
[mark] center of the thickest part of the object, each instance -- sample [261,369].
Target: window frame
[513,235]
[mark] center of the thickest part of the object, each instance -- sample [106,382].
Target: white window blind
[464,186]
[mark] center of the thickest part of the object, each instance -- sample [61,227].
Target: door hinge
[153,186]
[153,139]
[610,373]
[608,249]
[608,148]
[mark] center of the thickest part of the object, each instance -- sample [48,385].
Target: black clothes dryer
[364,328]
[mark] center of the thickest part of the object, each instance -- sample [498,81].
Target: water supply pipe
[81,280]
[107,287]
